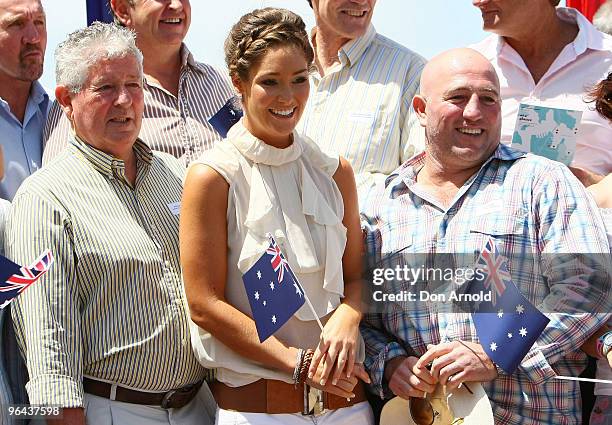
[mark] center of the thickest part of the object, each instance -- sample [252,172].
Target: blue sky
[425,26]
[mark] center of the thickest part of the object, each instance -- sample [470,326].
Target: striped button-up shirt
[538,215]
[362,110]
[176,125]
[112,306]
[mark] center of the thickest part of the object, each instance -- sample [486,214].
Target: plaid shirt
[531,207]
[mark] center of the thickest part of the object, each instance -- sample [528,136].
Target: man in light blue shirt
[23,101]
[23,113]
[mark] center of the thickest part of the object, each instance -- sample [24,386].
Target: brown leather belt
[269,396]
[172,399]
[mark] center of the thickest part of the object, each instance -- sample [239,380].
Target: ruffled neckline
[259,152]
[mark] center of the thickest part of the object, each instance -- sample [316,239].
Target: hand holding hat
[458,361]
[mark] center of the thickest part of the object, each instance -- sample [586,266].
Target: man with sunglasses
[443,207]
[547,55]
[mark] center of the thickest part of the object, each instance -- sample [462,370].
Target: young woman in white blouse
[265,178]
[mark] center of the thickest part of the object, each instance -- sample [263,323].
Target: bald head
[460,108]
[452,62]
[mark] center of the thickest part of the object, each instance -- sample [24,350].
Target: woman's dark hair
[259,31]
[601,94]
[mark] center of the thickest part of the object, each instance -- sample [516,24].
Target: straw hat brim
[475,409]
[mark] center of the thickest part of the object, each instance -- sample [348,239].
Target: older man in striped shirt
[106,328]
[360,105]
[187,103]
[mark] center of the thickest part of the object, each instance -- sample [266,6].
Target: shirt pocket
[507,227]
[395,259]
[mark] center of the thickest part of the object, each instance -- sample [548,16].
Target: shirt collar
[187,63]
[406,174]
[107,164]
[38,95]
[350,53]
[260,152]
[588,36]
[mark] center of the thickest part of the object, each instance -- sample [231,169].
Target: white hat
[466,405]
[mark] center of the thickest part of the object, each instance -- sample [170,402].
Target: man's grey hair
[603,18]
[83,48]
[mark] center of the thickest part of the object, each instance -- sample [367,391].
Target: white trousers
[359,414]
[103,411]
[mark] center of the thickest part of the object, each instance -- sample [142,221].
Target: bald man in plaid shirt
[463,191]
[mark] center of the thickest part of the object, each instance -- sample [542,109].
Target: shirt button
[167,263]
[184,342]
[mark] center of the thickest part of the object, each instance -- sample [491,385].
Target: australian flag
[273,291]
[509,325]
[15,279]
[226,117]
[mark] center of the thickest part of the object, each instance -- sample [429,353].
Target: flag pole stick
[314,313]
[571,378]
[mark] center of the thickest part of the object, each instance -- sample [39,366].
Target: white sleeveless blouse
[289,193]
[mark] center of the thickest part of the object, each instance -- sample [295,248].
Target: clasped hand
[334,356]
[448,364]
[344,385]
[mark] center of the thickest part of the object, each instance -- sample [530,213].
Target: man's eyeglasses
[421,411]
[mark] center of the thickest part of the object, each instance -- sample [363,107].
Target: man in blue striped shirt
[446,203]
[182,95]
[359,105]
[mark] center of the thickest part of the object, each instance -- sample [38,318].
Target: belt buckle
[313,401]
[167,399]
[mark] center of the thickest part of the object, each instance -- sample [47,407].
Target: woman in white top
[267,179]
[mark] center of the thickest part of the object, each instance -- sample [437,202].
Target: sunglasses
[422,412]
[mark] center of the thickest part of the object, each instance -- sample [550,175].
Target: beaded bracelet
[604,344]
[305,366]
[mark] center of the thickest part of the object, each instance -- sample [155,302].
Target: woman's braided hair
[259,31]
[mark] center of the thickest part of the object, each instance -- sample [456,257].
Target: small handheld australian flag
[509,324]
[273,291]
[226,117]
[15,279]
